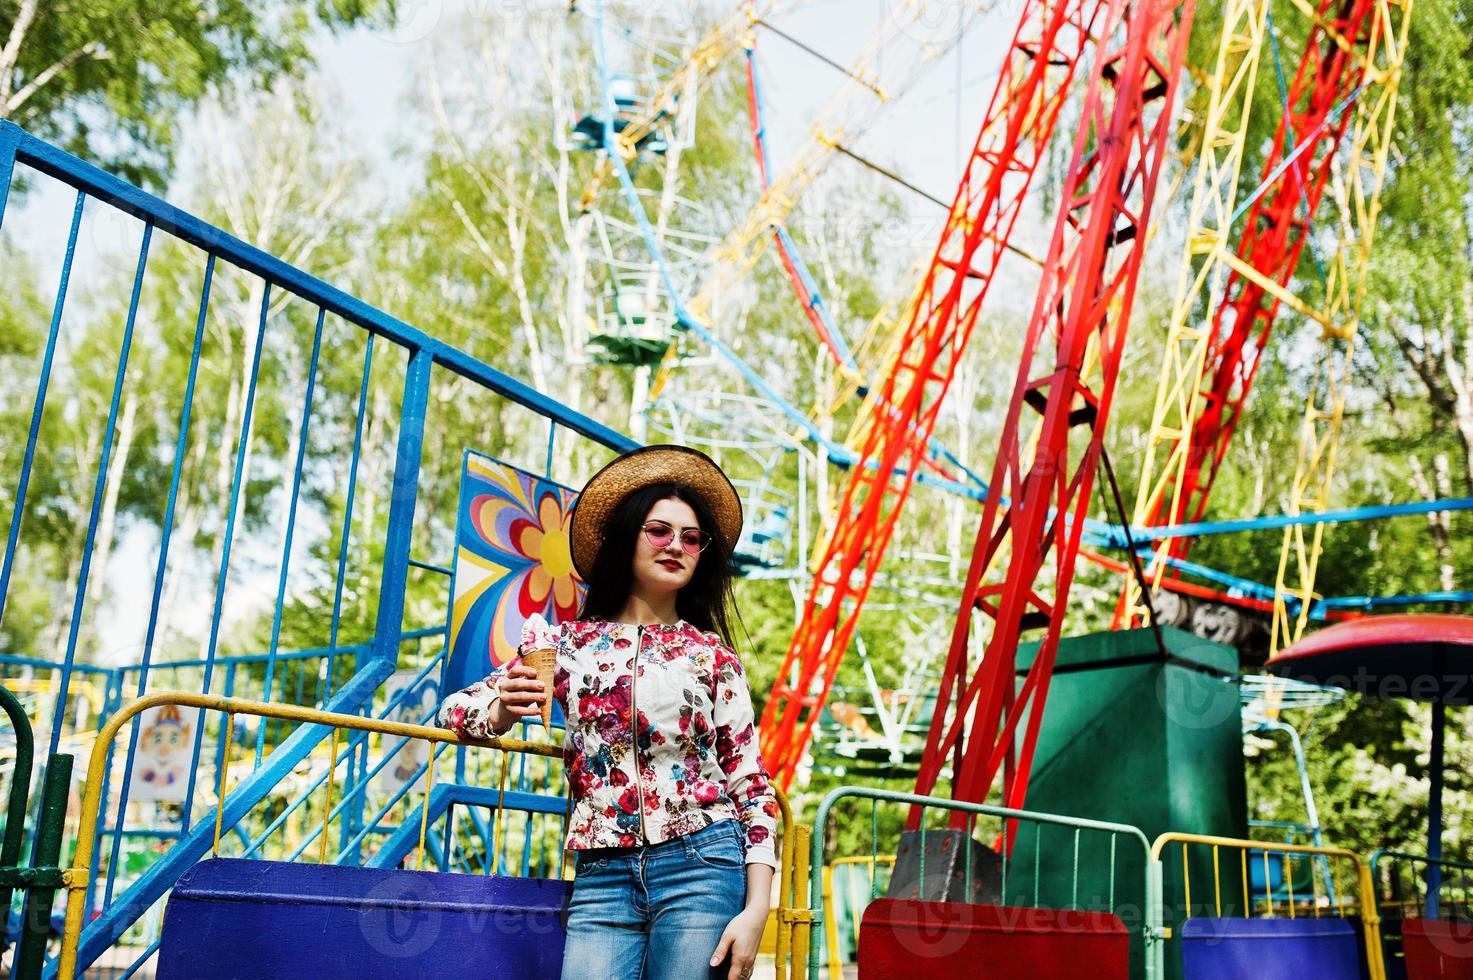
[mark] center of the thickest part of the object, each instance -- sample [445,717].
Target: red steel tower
[1330,77]
[1039,495]
[1048,46]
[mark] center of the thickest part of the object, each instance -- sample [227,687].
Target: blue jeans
[655,912]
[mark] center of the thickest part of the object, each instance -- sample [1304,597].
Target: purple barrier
[1269,949]
[266,920]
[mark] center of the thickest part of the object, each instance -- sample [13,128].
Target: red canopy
[1426,657]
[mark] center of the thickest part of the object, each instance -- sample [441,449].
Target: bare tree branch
[92,49]
[10,54]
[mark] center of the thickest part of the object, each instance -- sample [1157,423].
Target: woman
[673,829]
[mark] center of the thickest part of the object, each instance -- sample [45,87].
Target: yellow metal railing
[1231,879]
[831,926]
[792,843]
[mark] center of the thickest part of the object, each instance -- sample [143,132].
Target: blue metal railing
[386,342]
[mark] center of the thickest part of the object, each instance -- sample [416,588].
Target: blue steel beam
[1368,602]
[166,536]
[9,143]
[109,926]
[1280,521]
[406,836]
[401,509]
[291,519]
[57,163]
[358,740]
[19,507]
[222,576]
[99,490]
[337,592]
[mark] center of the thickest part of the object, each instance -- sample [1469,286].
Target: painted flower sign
[512,559]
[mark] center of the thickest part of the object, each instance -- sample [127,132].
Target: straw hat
[640,468]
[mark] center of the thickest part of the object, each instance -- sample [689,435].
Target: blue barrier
[1269,949]
[381,347]
[266,920]
[405,837]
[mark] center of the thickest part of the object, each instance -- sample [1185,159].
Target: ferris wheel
[1053,75]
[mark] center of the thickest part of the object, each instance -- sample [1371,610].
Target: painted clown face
[165,738]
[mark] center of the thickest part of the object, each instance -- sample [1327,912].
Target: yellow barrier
[796,918]
[789,890]
[1315,903]
[792,855]
[831,930]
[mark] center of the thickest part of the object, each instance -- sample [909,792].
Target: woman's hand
[522,695]
[741,938]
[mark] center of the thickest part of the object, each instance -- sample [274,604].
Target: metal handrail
[20,787]
[1153,931]
[76,878]
[831,930]
[1383,853]
[77,173]
[40,880]
[1368,914]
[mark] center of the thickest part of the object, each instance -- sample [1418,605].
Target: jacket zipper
[634,730]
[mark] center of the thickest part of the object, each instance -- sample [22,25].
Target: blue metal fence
[381,349]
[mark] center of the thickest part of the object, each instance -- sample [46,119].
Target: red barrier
[1438,949]
[902,940]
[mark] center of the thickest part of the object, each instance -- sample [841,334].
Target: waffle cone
[543,661]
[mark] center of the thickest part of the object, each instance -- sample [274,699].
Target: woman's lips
[671,564]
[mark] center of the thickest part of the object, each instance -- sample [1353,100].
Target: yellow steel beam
[1203,269]
[1356,188]
[845,114]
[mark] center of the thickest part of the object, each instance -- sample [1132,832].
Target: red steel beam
[1047,48]
[1330,74]
[1035,509]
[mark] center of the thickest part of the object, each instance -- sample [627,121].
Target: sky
[922,134]
[925,132]
[940,79]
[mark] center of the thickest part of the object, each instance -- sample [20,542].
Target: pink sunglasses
[659,535]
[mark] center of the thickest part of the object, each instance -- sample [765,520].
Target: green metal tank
[1135,735]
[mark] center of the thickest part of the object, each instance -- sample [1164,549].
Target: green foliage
[108,79]
[1367,763]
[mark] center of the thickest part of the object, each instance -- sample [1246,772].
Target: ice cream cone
[543,661]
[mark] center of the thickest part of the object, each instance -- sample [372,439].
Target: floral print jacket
[695,758]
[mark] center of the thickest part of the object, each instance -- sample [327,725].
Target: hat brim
[645,467]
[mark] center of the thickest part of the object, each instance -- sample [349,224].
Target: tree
[1419,337]
[108,79]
